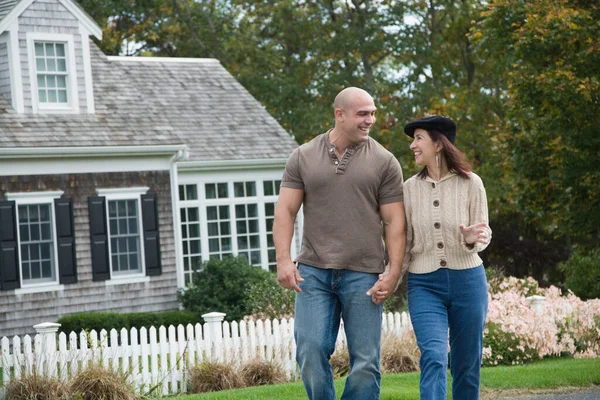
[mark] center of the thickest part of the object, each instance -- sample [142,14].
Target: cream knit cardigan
[434,212]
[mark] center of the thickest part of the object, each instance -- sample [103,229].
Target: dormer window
[52,71]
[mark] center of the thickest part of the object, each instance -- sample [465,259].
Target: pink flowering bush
[522,326]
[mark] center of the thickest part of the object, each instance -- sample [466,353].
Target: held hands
[288,275]
[385,286]
[475,233]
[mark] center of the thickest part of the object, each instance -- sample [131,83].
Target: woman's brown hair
[455,159]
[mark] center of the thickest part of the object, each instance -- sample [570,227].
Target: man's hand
[475,233]
[385,286]
[288,275]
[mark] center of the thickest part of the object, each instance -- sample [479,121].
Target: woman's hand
[475,233]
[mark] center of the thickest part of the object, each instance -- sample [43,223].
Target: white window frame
[72,105]
[29,198]
[131,193]
[260,199]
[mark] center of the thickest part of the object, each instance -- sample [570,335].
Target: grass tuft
[211,376]
[37,387]
[399,354]
[258,372]
[340,362]
[98,383]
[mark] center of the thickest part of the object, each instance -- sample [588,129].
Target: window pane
[40,66]
[61,81]
[242,243]
[252,210]
[211,192]
[225,228]
[50,49]
[226,244]
[253,225]
[277,187]
[60,49]
[238,189]
[46,269]
[122,227]
[223,192]
[255,257]
[241,227]
[196,262]
[240,211]
[194,246]
[51,64]
[133,261]
[35,252]
[194,230]
[250,189]
[181,192]
[269,224]
[191,192]
[213,245]
[211,213]
[39,49]
[112,209]
[61,65]
[254,242]
[268,188]
[36,270]
[213,229]
[46,234]
[270,242]
[51,81]
[62,96]
[133,225]
[193,215]
[35,232]
[52,98]
[42,96]
[224,212]
[269,209]
[24,232]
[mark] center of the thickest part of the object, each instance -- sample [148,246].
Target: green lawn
[547,374]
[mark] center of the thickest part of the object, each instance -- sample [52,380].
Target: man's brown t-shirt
[342,224]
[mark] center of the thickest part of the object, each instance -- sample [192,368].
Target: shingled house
[119,176]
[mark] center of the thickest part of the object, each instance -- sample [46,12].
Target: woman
[447,225]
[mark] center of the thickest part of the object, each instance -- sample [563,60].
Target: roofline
[228,165]
[164,59]
[178,151]
[78,12]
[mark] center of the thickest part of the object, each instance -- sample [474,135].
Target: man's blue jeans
[327,295]
[456,300]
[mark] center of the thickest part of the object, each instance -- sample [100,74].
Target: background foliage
[520,77]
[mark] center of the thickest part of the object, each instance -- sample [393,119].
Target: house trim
[87,69]
[164,59]
[85,19]
[92,151]
[231,165]
[16,79]
[73,100]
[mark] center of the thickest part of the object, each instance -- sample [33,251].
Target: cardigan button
[433,185]
[436,203]
[443,263]
[437,225]
[440,245]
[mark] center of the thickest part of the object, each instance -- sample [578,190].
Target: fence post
[214,328]
[48,355]
[536,303]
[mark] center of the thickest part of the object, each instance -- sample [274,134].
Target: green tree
[551,57]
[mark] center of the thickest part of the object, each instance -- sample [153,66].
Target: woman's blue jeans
[454,300]
[327,295]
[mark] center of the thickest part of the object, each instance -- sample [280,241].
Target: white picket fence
[158,360]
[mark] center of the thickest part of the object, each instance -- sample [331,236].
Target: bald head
[348,96]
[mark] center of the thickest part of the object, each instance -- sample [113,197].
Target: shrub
[267,299]
[97,383]
[111,320]
[340,362]
[37,387]
[582,274]
[399,353]
[222,285]
[211,376]
[258,372]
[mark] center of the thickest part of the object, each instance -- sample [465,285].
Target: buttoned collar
[449,175]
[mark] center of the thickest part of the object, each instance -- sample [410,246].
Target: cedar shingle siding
[20,313]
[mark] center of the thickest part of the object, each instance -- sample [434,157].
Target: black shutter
[99,238]
[9,251]
[65,232]
[151,238]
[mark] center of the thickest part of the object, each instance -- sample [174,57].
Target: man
[348,184]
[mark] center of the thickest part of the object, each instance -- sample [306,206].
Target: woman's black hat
[435,122]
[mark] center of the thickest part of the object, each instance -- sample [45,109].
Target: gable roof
[11,9]
[157,102]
